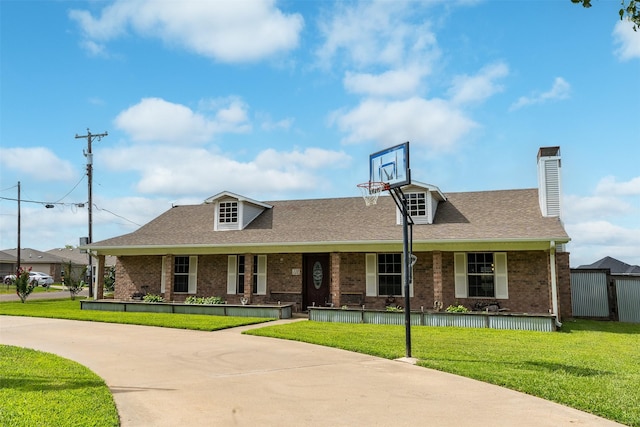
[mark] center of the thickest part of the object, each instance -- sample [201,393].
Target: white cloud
[228,31]
[579,208]
[428,123]
[310,158]
[398,82]
[593,240]
[627,41]
[376,33]
[163,170]
[605,223]
[154,119]
[560,90]
[477,88]
[609,185]
[39,163]
[270,125]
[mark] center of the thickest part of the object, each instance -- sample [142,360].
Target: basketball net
[371,190]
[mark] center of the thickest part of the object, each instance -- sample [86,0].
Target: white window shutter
[163,281]
[262,275]
[501,277]
[460,269]
[193,274]
[232,274]
[371,268]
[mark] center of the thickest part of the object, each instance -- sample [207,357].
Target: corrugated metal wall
[589,295]
[628,298]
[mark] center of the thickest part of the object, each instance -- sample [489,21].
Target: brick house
[505,246]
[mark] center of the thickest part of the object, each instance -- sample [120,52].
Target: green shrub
[23,286]
[202,300]
[457,309]
[394,308]
[152,298]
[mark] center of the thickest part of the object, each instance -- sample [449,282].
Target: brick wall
[528,271]
[134,272]
[564,284]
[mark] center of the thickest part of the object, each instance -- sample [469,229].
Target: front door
[317,278]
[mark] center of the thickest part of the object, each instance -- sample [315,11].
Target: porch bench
[286,297]
[352,299]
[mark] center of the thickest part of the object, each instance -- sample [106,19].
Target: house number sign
[317,275]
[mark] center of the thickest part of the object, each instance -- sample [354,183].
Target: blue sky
[280,100]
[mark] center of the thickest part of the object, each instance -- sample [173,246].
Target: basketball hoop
[371,190]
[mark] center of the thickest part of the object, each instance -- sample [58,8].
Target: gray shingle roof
[616,266]
[508,215]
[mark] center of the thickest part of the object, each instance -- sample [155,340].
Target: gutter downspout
[554,283]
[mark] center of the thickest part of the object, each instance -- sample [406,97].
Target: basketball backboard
[391,166]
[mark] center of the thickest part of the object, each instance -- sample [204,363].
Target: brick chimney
[549,181]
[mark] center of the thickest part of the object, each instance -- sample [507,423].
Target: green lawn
[592,366]
[68,309]
[42,389]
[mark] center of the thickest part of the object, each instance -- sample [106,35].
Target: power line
[71,191]
[115,214]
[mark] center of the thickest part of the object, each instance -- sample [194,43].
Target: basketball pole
[401,201]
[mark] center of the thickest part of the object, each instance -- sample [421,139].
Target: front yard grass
[592,366]
[42,389]
[69,309]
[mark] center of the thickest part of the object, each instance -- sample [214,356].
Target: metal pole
[90,183]
[18,248]
[407,274]
[89,155]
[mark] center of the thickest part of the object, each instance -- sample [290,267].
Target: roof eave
[334,246]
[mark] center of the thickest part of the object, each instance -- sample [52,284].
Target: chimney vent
[549,181]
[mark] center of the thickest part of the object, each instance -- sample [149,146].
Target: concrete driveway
[171,377]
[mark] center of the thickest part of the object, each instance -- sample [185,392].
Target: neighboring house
[32,259]
[505,246]
[615,267]
[78,258]
[7,264]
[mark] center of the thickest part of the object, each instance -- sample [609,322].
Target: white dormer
[423,202]
[234,212]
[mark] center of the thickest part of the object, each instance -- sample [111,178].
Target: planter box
[267,311]
[516,321]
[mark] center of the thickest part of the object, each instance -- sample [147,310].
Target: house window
[228,212]
[241,264]
[481,275]
[236,267]
[181,274]
[480,271]
[389,274]
[417,204]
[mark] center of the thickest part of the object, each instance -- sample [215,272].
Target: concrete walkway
[171,377]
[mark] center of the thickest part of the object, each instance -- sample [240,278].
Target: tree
[73,279]
[24,286]
[630,10]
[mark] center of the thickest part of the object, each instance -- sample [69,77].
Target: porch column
[248,278]
[438,294]
[167,276]
[334,286]
[100,277]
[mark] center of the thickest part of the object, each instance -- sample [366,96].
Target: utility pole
[18,248]
[89,155]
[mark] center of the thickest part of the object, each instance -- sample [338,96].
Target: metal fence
[597,294]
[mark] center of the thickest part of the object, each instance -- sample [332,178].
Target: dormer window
[417,204]
[228,212]
[422,202]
